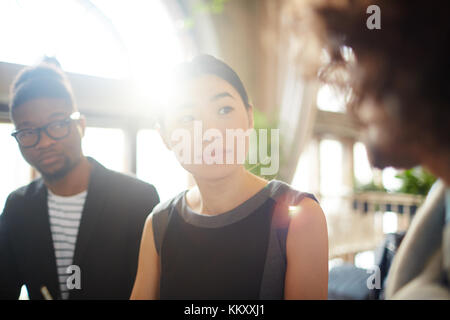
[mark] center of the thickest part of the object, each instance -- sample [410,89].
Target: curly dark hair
[407,60]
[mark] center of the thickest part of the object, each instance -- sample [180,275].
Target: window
[330,167]
[330,99]
[107,146]
[65,29]
[390,182]
[331,175]
[106,38]
[390,222]
[158,165]
[362,169]
[14,170]
[149,37]
[304,171]
[365,260]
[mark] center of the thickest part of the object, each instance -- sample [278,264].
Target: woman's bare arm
[307,253]
[146,285]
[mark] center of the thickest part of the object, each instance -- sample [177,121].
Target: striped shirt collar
[78,195]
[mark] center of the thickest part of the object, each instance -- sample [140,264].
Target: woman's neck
[221,195]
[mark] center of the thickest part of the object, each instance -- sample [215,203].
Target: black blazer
[107,244]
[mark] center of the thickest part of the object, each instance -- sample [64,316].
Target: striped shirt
[65,214]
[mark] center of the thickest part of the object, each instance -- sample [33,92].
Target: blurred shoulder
[162,209]
[285,194]
[294,206]
[120,182]
[26,191]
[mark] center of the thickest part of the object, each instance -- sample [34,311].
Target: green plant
[213,7]
[262,121]
[368,187]
[416,181]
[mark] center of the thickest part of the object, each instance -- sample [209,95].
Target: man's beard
[61,172]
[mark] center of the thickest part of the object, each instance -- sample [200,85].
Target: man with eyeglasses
[57,130]
[75,232]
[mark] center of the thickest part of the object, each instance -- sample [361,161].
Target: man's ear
[163,133]
[251,121]
[82,125]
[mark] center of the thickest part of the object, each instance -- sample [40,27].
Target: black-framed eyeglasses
[57,130]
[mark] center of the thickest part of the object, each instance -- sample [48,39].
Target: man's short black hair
[45,80]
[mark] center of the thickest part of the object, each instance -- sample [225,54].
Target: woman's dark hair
[206,64]
[406,61]
[45,80]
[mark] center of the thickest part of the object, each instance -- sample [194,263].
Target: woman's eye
[187,118]
[225,110]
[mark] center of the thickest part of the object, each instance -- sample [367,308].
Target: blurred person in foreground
[397,78]
[75,232]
